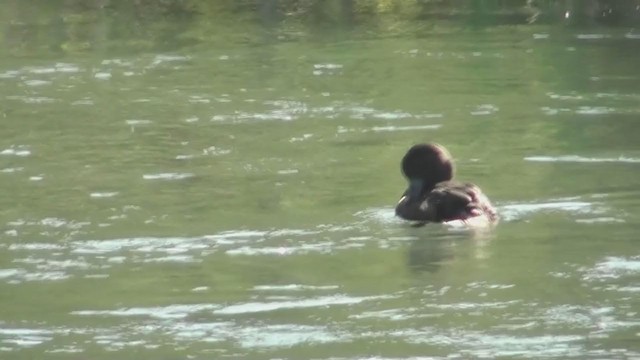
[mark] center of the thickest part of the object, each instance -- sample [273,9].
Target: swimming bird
[433,196]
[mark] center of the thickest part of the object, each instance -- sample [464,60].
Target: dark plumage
[432,196]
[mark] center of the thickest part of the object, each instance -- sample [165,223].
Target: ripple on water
[36,82]
[172,258]
[209,151]
[7,273]
[287,110]
[88,258]
[9,74]
[17,150]
[327,66]
[387,216]
[255,307]
[581,159]
[324,247]
[116,61]
[326,69]
[181,311]
[102,75]
[365,112]
[36,246]
[138,122]
[486,344]
[157,312]
[197,99]
[85,101]
[301,138]
[93,258]
[100,195]
[594,110]
[178,311]
[293,287]
[186,157]
[572,96]
[168,176]
[11,170]
[518,211]
[474,306]
[592,36]
[66,350]
[613,267]
[380,215]
[50,222]
[46,70]
[51,264]
[173,320]
[32,99]
[57,68]
[578,317]
[215,151]
[164,58]
[484,109]
[600,220]
[618,96]
[393,314]
[23,338]
[174,245]
[286,335]
[554,111]
[165,246]
[406,128]
[252,336]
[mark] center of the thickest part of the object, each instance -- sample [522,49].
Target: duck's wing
[446,202]
[483,205]
[443,203]
[452,200]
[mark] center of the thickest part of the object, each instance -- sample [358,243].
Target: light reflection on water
[41,261]
[218,325]
[220,322]
[579,159]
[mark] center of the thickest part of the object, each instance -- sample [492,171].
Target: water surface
[237,201]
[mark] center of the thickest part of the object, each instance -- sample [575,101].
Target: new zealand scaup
[433,197]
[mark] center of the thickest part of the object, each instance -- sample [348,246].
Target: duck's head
[425,165]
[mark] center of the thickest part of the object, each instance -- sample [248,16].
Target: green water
[236,200]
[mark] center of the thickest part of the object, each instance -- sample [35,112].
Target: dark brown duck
[432,196]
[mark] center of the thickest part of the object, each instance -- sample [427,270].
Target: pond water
[237,201]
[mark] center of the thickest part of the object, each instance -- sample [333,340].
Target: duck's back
[452,200]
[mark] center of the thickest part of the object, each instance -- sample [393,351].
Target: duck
[434,197]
